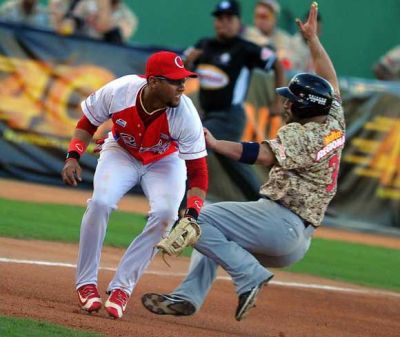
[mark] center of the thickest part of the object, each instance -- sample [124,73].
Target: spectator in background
[67,16]
[29,12]
[223,63]
[109,20]
[300,57]
[388,66]
[265,31]
[115,22]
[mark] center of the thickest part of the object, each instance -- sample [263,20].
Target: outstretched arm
[235,151]
[279,82]
[322,62]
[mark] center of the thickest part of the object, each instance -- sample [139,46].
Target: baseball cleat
[116,303]
[167,305]
[247,300]
[89,298]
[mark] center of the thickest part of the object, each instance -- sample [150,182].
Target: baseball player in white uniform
[156,130]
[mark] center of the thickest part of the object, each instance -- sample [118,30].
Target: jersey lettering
[128,139]
[333,162]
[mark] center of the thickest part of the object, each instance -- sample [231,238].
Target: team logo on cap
[179,62]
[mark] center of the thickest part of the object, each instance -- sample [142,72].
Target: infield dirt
[313,307]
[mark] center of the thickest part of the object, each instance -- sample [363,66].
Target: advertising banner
[44,77]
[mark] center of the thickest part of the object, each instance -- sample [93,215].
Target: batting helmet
[311,95]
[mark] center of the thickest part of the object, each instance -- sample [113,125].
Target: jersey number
[334,163]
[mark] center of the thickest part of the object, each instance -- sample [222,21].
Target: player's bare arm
[191,56]
[279,82]
[237,151]
[72,171]
[322,62]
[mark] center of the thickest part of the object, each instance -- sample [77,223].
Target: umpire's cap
[310,94]
[230,7]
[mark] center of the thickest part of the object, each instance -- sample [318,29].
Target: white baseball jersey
[149,156]
[177,129]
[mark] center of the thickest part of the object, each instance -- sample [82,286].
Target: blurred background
[355,33]
[53,54]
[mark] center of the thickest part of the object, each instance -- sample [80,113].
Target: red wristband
[195,202]
[77,145]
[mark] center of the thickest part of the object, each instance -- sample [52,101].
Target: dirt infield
[37,281]
[47,292]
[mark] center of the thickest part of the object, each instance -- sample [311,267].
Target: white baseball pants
[163,182]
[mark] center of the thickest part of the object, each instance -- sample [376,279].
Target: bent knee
[166,216]
[101,204]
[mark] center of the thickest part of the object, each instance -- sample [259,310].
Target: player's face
[226,26]
[287,113]
[264,19]
[170,91]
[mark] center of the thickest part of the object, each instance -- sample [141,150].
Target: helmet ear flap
[307,111]
[299,110]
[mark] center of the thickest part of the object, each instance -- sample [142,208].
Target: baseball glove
[185,233]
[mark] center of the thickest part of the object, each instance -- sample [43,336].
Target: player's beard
[287,116]
[173,103]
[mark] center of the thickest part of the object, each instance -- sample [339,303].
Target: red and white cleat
[89,298]
[116,303]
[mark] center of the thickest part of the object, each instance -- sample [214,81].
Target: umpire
[223,64]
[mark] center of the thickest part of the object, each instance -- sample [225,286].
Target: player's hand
[99,145]
[71,173]
[192,55]
[211,141]
[309,28]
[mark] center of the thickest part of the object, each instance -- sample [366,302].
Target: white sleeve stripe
[91,114]
[192,152]
[193,156]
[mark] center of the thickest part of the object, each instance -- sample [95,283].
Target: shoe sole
[250,302]
[160,305]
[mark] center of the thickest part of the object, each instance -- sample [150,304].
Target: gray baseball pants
[243,238]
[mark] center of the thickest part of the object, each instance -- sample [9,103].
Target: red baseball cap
[167,64]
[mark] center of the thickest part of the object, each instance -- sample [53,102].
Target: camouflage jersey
[304,180]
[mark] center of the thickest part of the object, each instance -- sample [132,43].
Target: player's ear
[152,81]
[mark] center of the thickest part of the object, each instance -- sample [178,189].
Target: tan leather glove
[184,234]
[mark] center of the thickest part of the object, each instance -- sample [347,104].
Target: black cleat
[247,300]
[167,305]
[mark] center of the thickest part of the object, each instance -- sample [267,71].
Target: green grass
[27,220]
[356,263]
[20,327]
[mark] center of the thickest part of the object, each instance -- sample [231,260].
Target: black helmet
[311,95]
